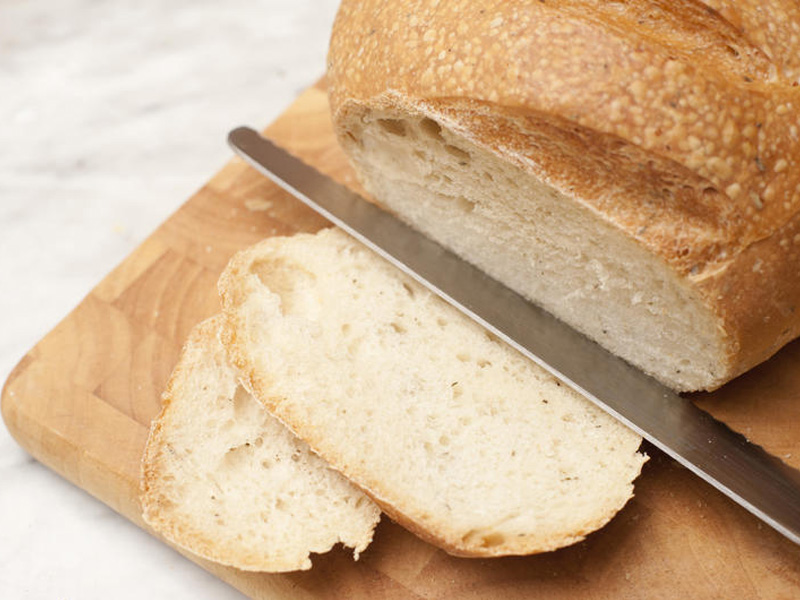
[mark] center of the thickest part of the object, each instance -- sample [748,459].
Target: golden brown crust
[771,25]
[676,122]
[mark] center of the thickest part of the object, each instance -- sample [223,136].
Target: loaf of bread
[630,166]
[228,482]
[454,434]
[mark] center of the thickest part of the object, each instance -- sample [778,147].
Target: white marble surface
[111,115]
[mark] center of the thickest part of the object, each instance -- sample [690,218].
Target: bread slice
[228,482]
[635,171]
[454,434]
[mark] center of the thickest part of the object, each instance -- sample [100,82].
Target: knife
[745,472]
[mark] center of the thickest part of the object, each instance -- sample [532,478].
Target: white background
[111,115]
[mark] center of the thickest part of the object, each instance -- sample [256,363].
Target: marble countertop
[112,114]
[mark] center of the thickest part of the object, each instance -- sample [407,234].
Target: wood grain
[82,399]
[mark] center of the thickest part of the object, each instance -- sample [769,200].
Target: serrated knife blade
[744,471]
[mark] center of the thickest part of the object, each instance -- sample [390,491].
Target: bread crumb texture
[225,480]
[677,79]
[675,123]
[453,433]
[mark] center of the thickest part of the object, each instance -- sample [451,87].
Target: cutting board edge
[28,432]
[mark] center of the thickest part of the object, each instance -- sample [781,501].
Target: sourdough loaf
[631,166]
[228,482]
[454,434]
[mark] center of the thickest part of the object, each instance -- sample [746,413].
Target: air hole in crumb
[441,322]
[474,538]
[346,328]
[393,126]
[351,136]
[444,440]
[420,155]
[398,328]
[242,403]
[431,128]
[285,279]
[465,205]
[493,540]
[463,357]
[710,191]
[460,155]
[409,289]
[266,464]
[259,441]
[237,455]
[488,176]
[483,363]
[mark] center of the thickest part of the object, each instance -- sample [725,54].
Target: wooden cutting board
[82,399]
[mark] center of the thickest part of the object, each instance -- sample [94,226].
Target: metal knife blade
[745,472]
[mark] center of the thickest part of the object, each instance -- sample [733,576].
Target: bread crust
[675,122]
